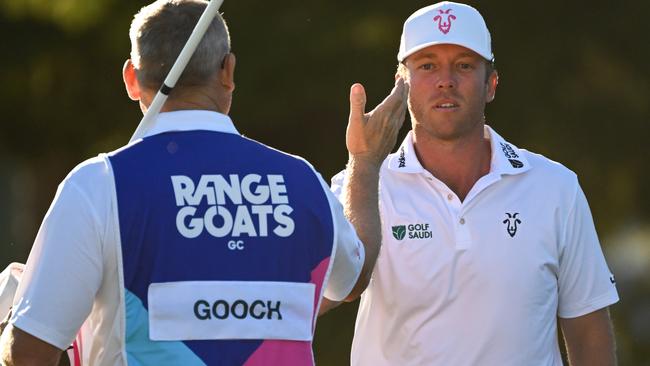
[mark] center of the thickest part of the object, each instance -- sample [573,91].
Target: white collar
[188,120]
[506,157]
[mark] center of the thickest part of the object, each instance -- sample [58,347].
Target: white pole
[188,50]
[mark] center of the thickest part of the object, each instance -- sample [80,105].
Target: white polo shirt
[73,274]
[479,282]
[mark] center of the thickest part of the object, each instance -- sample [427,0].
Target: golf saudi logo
[399,232]
[412,231]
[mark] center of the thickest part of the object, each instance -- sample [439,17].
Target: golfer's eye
[427,66]
[465,66]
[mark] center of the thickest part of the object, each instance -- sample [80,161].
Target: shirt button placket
[463,238]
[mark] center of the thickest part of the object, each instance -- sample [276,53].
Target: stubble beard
[449,128]
[452,127]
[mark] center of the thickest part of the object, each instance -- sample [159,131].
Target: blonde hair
[159,32]
[402,71]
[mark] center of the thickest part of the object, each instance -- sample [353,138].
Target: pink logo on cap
[444,26]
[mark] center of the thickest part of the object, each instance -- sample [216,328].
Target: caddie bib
[225,245]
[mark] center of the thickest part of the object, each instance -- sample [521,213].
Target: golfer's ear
[492,83]
[130,80]
[227,72]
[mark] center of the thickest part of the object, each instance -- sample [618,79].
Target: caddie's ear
[131,80]
[227,72]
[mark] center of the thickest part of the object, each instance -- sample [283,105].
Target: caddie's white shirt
[72,274]
[479,282]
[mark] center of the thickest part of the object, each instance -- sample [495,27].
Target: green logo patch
[412,231]
[399,232]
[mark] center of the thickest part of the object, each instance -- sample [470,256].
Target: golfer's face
[448,91]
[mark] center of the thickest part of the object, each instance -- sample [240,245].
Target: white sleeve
[585,282]
[337,184]
[63,272]
[349,254]
[9,279]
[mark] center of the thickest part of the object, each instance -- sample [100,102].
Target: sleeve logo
[612,280]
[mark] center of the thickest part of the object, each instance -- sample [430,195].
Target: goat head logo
[444,20]
[512,221]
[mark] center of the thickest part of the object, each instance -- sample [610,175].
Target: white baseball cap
[445,23]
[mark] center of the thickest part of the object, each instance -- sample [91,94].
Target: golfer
[486,247]
[193,245]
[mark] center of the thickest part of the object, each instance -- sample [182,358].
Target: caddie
[193,245]
[486,247]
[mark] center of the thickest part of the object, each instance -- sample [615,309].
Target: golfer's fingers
[357,103]
[392,102]
[399,118]
[397,103]
[404,105]
[405,93]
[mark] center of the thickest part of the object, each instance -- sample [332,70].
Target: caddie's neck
[459,163]
[203,98]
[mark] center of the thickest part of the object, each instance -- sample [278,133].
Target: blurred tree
[574,86]
[72,15]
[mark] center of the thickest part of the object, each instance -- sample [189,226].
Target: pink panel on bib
[295,353]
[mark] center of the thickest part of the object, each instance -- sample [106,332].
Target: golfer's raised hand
[371,136]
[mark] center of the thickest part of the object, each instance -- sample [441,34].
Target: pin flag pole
[174,74]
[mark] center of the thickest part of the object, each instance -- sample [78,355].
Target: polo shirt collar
[405,160]
[189,120]
[506,157]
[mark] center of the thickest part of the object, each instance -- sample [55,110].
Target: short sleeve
[9,279]
[63,271]
[337,184]
[349,254]
[585,282]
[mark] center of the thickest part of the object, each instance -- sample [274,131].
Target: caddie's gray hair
[158,33]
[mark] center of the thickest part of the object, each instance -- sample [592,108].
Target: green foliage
[573,86]
[72,15]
